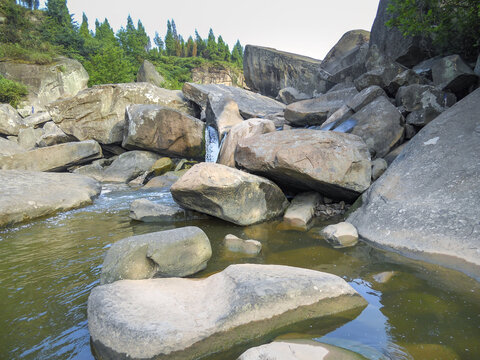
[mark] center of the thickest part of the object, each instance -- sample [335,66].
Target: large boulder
[190,318]
[316,111]
[28,195]
[46,83]
[298,350]
[222,113]
[334,164]
[99,112]
[268,70]
[229,194]
[53,158]
[244,130]
[10,121]
[406,50]
[170,253]
[52,135]
[346,60]
[148,73]
[164,130]
[453,74]
[427,202]
[9,147]
[250,104]
[128,166]
[380,125]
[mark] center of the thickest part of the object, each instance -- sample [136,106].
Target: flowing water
[49,266]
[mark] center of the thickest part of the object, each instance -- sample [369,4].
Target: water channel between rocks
[49,266]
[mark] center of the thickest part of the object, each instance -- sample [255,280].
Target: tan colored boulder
[334,164]
[99,112]
[235,244]
[229,194]
[53,158]
[222,112]
[161,166]
[301,210]
[148,73]
[244,130]
[163,130]
[340,235]
[9,147]
[10,121]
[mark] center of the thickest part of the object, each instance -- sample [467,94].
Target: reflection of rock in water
[211,144]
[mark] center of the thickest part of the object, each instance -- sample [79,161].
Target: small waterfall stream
[212,144]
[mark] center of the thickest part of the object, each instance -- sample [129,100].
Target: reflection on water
[49,266]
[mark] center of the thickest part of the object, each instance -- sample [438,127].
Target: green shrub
[11,91]
[39,54]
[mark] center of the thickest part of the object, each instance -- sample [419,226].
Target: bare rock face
[148,73]
[99,112]
[419,208]
[164,130]
[222,113]
[229,194]
[408,51]
[316,111]
[28,195]
[244,130]
[217,75]
[10,121]
[170,253]
[268,70]
[290,95]
[250,104]
[334,164]
[53,158]
[142,319]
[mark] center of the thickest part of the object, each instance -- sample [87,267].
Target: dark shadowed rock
[163,130]
[229,194]
[250,104]
[28,195]
[268,70]
[53,158]
[142,319]
[170,253]
[129,165]
[334,164]
[148,73]
[420,208]
[408,77]
[290,95]
[407,51]
[453,74]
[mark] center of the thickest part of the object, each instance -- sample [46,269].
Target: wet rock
[316,111]
[170,253]
[46,83]
[52,135]
[410,210]
[142,319]
[383,277]
[10,121]
[290,95]
[380,125]
[334,164]
[340,235]
[235,244]
[165,180]
[453,74]
[8,147]
[99,112]
[406,50]
[161,166]
[378,168]
[148,211]
[248,128]
[185,164]
[53,158]
[27,195]
[148,73]
[229,194]
[222,113]
[301,210]
[298,350]
[250,104]
[95,169]
[163,130]
[268,70]
[129,165]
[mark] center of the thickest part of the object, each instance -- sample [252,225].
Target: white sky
[306,27]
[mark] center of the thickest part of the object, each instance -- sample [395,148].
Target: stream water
[49,266]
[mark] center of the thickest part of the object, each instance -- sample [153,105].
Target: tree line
[38,35]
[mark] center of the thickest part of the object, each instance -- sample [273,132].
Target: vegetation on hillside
[11,92]
[39,36]
[453,25]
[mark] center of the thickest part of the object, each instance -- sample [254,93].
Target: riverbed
[49,266]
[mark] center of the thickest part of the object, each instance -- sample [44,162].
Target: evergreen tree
[134,41]
[212,49]
[104,33]
[84,32]
[237,53]
[158,41]
[200,43]
[30,4]
[223,52]
[189,48]
[169,40]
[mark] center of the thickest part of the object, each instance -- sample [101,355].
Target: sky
[306,27]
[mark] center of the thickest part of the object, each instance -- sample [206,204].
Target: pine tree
[189,47]
[169,40]
[237,54]
[212,49]
[200,43]
[158,41]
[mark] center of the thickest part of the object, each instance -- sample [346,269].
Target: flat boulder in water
[28,195]
[190,318]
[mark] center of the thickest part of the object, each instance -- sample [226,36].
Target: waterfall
[212,146]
